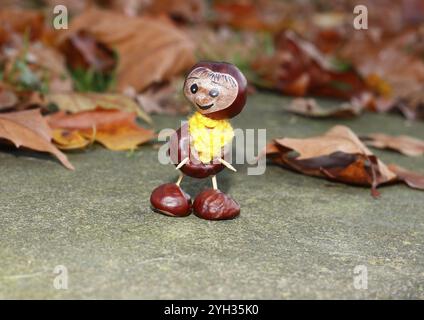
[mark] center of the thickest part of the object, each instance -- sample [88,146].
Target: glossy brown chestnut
[171,200]
[238,104]
[180,141]
[213,204]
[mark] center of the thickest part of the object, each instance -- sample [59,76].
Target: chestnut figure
[217,91]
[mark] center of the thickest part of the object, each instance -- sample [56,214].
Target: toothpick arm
[228,165]
[182,163]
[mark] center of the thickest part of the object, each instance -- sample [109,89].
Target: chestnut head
[216,89]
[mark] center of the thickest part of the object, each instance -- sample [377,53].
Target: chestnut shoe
[213,204]
[171,200]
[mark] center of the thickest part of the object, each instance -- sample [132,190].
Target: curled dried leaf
[338,155]
[406,145]
[115,129]
[412,179]
[298,68]
[76,102]
[310,108]
[149,50]
[69,139]
[29,129]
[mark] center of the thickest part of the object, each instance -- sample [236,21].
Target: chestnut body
[180,149]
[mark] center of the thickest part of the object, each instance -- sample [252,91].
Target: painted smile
[204,107]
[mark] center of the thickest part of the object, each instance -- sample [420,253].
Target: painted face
[210,91]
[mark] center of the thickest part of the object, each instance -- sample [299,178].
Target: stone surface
[296,237]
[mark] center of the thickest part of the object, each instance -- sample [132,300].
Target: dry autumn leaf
[149,50]
[82,50]
[8,98]
[14,21]
[115,129]
[29,129]
[391,67]
[298,68]
[67,139]
[310,108]
[337,155]
[76,102]
[50,62]
[190,11]
[412,179]
[166,98]
[388,60]
[261,15]
[404,144]
[34,67]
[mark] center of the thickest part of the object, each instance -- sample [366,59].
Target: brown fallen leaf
[263,15]
[29,129]
[387,59]
[14,21]
[391,66]
[404,144]
[35,67]
[310,108]
[149,50]
[8,97]
[166,98]
[410,106]
[412,179]
[115,129]
[298,68]
[82,50]
[188,11]
[337,155]
[76,102]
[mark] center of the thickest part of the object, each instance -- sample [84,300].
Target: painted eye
[214,93]
[194,88]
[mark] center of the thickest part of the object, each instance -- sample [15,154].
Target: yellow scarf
[209,136]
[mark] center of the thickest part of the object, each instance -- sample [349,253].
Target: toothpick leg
[214,183]
[180,178]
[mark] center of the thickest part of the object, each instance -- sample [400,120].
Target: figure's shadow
[194,186]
